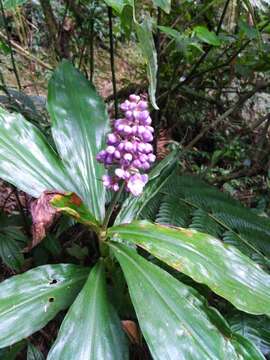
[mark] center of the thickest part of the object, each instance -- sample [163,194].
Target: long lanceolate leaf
[26,159]
[147,45]
[91,329]
[29,301]
[79,124]
[175,321]
[207,260]
[133,206]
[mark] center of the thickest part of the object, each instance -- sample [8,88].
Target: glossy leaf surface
[79,125]
[133,206]
[174,318]
[91,328]
[205,259]
[29,301]
[73,206]
[26,159]
[146,42]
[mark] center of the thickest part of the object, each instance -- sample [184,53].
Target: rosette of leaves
[175,319]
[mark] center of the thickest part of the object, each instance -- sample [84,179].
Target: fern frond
[227,214]
[254,328]
[202,222]
[231,238]
[173,212]
[151,209]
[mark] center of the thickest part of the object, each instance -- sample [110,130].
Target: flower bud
[111,139]
[143,116]
[128,146]
[142,105]
[141,146]
[115,187]
[120,173]
[143,158]
[150,128]
[117,154]
[125,105]
[148,148]
[147,136]
[129,114]
[137,164]
[145,166]
[128,157]
[106,179]
[141,129]
[127,130]
[121,146]
[134,98]
[152,158]
[110,149]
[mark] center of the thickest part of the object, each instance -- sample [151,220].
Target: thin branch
[25,53]
[112,62]
[228,112]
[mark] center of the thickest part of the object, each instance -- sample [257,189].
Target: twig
[228,112]
[260,121]
[25,53]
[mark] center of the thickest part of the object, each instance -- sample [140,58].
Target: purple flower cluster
[129,147]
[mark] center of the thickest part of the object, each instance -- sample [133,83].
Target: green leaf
[11,253]
[254,328]
[117,5]
[33,353]
[147,45]
[30,300]
[175,320]
[172,33]
[91,328]
[165,5]
[26,159]
[127,20]
[207,36]
[133,206]
[206,260]
[73,206]
[79,125]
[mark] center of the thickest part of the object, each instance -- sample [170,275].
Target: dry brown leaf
[132,331]
[43,216]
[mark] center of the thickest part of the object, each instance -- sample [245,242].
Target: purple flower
[129,148]
[136,183]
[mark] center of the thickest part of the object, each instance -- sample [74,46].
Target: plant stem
[112,62]
[9,45]
[111,206]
